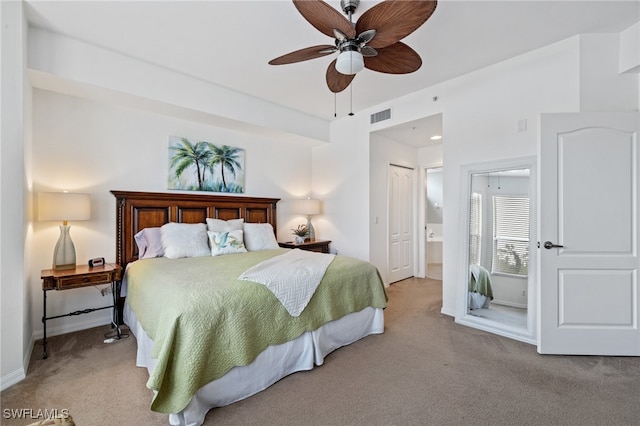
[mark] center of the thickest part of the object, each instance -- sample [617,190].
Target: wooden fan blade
[395,59]
[304,54]
[337,82]
[394,20]
[324,17]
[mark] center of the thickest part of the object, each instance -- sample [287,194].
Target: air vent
[381,116]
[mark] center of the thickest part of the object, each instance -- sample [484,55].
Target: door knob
[549,245]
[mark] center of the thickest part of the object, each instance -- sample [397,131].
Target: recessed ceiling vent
[381,116]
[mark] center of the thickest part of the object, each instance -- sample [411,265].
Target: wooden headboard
[138,210]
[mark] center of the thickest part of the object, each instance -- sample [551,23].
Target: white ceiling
[230,42]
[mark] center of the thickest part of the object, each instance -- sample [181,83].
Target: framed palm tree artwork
[205,166]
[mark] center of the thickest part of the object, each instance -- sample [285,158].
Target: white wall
[630,49]
[630,53]
[602,86]
[14,117]
[481,112]
[340,176]
[87,146]
[71,66]
[430,155]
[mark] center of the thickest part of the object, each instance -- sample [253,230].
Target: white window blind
[475,227]
[511,235]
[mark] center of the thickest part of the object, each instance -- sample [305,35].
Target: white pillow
[218,225]
[184,240]
[149,242]
[259,236]
[226,242]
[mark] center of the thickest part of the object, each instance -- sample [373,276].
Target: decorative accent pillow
[184,240]
[226,242]
[218,225]
[259,236]
[149,242]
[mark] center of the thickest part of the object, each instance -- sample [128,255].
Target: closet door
[400,190]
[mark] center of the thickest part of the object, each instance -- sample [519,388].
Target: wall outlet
[105,291]
[524,292]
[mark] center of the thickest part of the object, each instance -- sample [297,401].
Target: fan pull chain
[351,99]
[335,104]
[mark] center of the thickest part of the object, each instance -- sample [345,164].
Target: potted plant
[301,233]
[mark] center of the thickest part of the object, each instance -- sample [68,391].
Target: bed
[480,291]
[209,339]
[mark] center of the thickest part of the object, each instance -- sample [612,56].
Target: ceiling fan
[372,42]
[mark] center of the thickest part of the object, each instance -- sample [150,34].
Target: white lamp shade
[349,62]
[63,206]
[307,207]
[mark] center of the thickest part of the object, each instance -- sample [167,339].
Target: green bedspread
[204,321]
[481,285]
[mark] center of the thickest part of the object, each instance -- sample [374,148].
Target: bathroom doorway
[433,220]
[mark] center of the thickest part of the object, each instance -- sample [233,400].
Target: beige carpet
[424,370]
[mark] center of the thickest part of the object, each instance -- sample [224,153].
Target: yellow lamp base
[64,267]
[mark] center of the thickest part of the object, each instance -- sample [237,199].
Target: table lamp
[64,206]
[308,207]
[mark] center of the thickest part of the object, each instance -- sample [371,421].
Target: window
[511,235]
[475,226]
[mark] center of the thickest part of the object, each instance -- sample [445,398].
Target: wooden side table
[321,246]
[81,276]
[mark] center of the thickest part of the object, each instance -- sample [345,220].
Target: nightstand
[81,276]
[321,246]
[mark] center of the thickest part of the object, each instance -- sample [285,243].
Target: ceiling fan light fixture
[350,62]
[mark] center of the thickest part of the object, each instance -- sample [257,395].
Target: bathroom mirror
[499,267]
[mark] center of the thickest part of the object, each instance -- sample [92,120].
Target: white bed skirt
[478,301]
[271,365]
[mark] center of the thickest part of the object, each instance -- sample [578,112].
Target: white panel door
[589,191]
[400,223]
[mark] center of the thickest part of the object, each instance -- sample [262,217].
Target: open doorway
[434,194]
[409,145]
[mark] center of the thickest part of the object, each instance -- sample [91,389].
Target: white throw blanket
[474,271]
[292,277]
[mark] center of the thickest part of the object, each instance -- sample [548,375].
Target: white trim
[12,378]
[506,303]
[528,334]
[71,328]
[515,333]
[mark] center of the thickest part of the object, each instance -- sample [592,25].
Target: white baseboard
[27,355]
[511,304]
[12,378]
[18,375]
[445,311]
[70,328]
